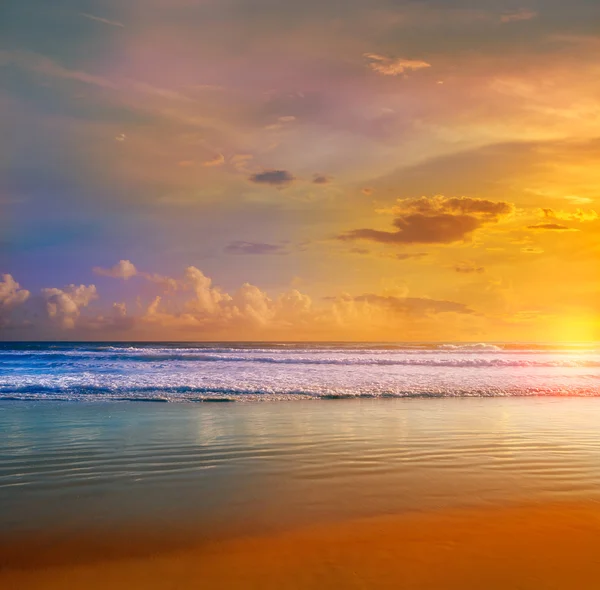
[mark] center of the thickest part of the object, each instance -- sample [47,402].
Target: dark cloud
[277,178]
[259,248]
[403,256]
[436,220]
[468,268]
[457,205]
[408,256]
[420,229]
[414,305]
[549,226]
[321,179]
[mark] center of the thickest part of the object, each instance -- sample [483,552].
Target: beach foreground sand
[551,546]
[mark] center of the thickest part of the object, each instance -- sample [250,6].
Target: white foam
[182,373]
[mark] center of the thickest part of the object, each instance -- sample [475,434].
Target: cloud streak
[519,15]
[99,19]
[254,248]
[414,305]
[550,227]
[390,66]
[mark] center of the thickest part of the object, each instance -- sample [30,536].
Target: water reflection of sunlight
[208,429]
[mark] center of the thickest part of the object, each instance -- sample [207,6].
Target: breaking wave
[178,372]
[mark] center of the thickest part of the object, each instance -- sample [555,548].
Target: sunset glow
[270,170]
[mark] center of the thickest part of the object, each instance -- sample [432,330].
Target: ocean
[180,372]
[350,430]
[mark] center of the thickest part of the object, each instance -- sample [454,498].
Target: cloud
[241,247]
[578,215]
[217,160]
[208,299]
[64,305]
[579,200]
[437,220]
[119,310]
[99,19]
[550,227]
[11,293]
[124,269]
[519,15]
[414,305]
[211,308]
[401,256]
[482,208]
[409,255]
[390,66]
[278,178]
[468,268]
[167,283]
[420,229]
[240,162]
[116,320]
[202,309]
[47,67]
[321,179]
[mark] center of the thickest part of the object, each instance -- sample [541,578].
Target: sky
[379,170]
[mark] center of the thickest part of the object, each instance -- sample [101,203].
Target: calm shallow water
[244,467]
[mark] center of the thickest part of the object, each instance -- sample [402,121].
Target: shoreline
[271,398]
[528,546]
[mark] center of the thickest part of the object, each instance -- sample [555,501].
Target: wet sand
[550,546]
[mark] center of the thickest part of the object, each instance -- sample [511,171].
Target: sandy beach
[541,547]
[429,494]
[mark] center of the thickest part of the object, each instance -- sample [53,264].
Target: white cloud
[11,293]
[394,66]
[249,307]
[124,269]
[64,305]
[99,19]
[519,15]
[208,298]
[167,283]
[11,298]
[197,308]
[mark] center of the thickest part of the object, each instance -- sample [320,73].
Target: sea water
[352,431]
[177,372]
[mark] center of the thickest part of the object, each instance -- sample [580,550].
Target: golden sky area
[277,170]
